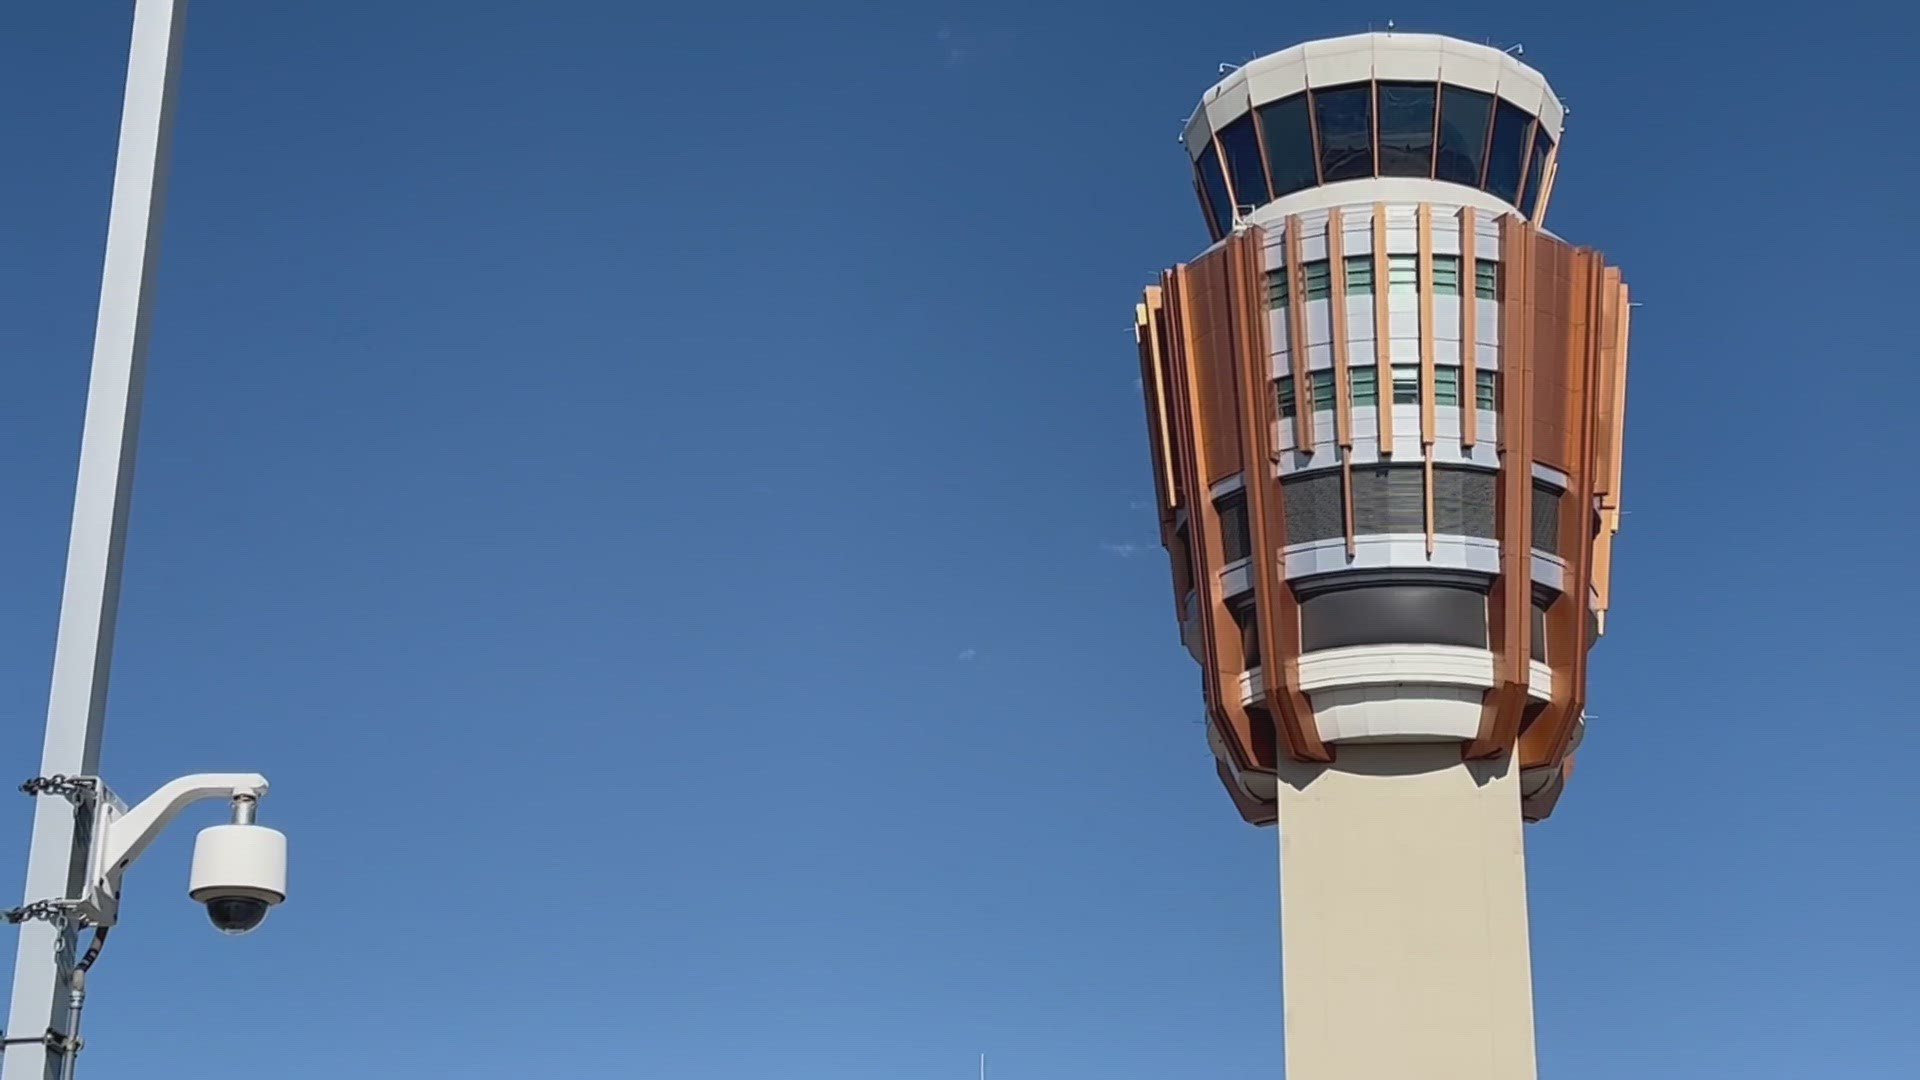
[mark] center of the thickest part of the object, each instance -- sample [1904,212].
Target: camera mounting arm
[129,834]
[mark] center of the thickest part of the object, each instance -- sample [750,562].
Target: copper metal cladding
[1205,364]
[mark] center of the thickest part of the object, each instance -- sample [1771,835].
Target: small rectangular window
[1322,391]
[1315,279]
[1283,394]
[1446,275]
[1403,273]
[1483,389]
[1359,275]
[1406,385]
[1249,621]
[1486,280]
[1366,386]
[1277,288]
[1235,542]
[1446,386]
[1546,517]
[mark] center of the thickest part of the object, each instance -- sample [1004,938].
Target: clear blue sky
[664,497]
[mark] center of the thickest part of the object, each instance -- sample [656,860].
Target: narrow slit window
[1277,288]
[1446,386]
[1403,273]
[1484,393]
[1236,542]
[1359,270]
[1283,396]
[1446,275]
[1365,382]
[1316,279]
[1322,391]
[1486,280]
[1406,385]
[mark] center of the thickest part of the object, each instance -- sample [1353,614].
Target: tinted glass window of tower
[1288,133]
[1213,187]
[1244,170]
[1406,128]
[1345,118]
[1374,129]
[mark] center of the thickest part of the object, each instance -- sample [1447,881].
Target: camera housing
[239,873]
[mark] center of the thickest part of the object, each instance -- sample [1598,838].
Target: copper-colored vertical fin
[1427,388]
[1279,614]
[1337,326]
[1342,378]
[1547,175]
[1613,433]
[1510,602]
[1226,181]
[1153,377]
[1297,340]
[1545,741]
[1218,633]
[1469,344]
[1382,334]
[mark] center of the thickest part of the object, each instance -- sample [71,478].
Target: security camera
[239,871]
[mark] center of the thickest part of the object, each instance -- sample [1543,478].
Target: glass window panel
[1406,385]
[1446,275]
[1322,391]
[1283,395]
[1312,506]
[1249,620]
[1235,541]
[1536,172]
[1403,273]
[1277,287]
[1406,129]
[1315,279]
[1359,274]
[1486,279]
[1242,147]
[1446,386]
[1366,385]
[1289,138]
[1546,518]
[1213,184]
[1483,389]
[1345,116]
[1463,134]
[1507,154]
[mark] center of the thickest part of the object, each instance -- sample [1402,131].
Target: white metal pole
[38,1019]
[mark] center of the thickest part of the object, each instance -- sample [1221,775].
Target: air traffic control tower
[1385,408]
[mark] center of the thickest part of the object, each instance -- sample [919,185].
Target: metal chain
[57,912]
[77,790]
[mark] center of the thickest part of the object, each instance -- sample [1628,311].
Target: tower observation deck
[1386,409]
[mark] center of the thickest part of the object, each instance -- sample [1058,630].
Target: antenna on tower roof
[1515,49]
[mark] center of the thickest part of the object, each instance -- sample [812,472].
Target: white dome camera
[239,871]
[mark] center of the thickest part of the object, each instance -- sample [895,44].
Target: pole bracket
[55,1042]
